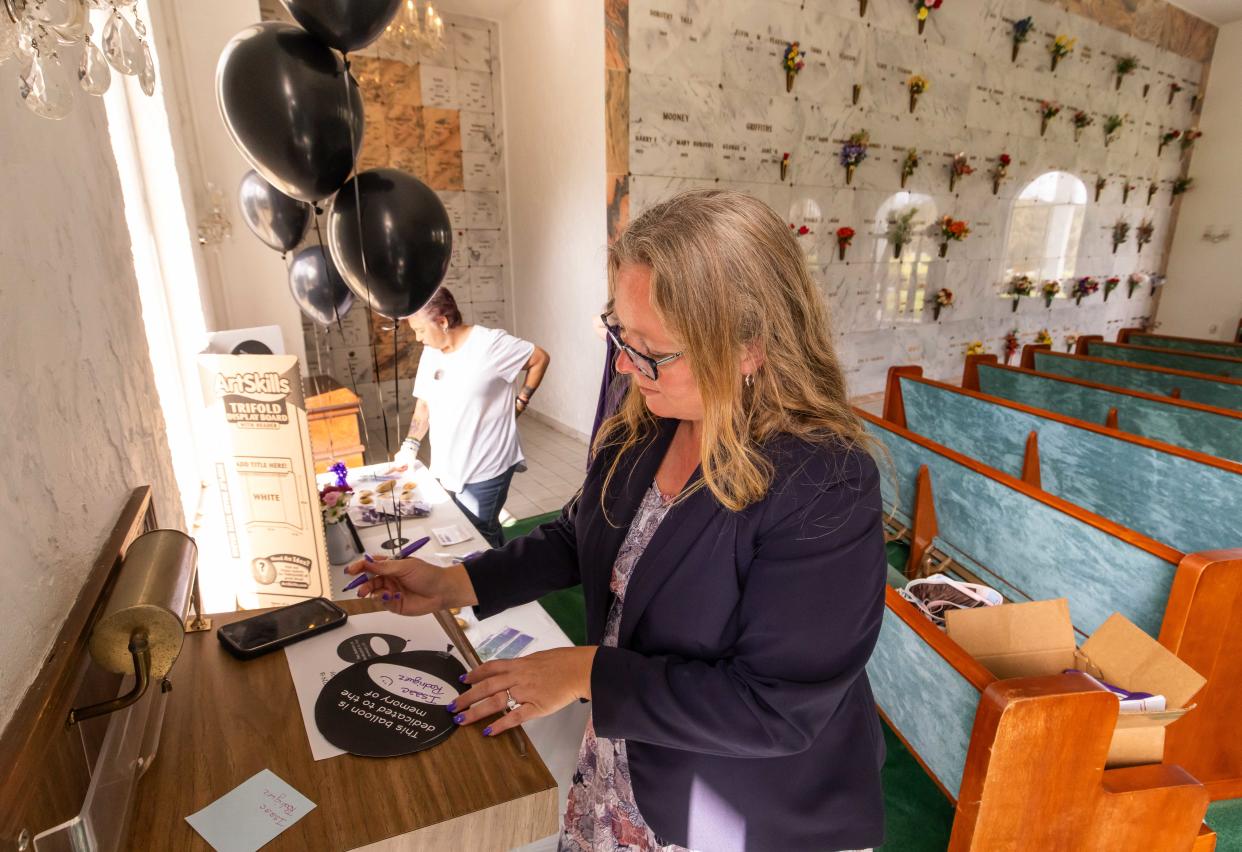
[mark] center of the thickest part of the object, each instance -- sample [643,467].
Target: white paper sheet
[315,661]
[250,815]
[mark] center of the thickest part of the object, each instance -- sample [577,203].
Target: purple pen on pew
[401,554]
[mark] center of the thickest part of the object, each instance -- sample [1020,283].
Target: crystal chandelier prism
[39,35]
[417,24]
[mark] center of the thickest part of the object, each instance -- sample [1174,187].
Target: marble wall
[437,115]
[697,92]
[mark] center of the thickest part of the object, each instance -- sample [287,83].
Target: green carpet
[917,817]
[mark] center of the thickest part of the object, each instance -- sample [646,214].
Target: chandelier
[36,32]
[417,24]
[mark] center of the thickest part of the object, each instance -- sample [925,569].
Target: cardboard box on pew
[1037,638]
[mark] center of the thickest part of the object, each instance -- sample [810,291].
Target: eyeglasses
[645,364]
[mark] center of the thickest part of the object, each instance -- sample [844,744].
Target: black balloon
[291,108]
[317,286]
[344,24]
[275,218]
[405,236]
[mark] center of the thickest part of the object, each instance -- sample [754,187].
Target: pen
[401,554]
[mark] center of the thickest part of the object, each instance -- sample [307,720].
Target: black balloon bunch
[295,113]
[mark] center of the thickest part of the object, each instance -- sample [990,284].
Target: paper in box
[1037,638]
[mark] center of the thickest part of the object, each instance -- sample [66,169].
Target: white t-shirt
[470,396]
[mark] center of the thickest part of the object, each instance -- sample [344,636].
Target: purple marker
[401,554]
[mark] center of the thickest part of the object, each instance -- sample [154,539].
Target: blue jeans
[482,502]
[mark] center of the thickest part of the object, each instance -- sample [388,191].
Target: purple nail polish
[385,595]
[461,717]
[461,678]
[451,707]
[487,732]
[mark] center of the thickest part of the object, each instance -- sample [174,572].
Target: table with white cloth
[557,737]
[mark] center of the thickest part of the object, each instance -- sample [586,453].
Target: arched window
[1046,227]
[901,282]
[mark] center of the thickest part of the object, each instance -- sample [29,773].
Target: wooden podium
[227,719]
[223,721]
[332,413]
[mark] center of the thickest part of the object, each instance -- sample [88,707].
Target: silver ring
[510,705]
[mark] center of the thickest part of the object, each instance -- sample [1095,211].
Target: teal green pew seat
[1211,365]
[1217,391]
[1202,428]
[1184,499]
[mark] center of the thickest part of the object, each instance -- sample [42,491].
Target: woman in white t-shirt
[466,398]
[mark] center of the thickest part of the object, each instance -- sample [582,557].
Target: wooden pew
[1194,426]
[967,518]
[1185,499]
[1217,391]
[975,737]
[1194,362]
[1138,337]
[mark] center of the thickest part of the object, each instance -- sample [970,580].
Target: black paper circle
[390,705]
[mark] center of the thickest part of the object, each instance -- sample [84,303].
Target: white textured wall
[553,56]
[81,424]
[1203,296]
[247,281]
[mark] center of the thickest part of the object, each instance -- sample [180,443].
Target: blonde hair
[727,277]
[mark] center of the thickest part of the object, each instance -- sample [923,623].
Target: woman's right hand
[414,587]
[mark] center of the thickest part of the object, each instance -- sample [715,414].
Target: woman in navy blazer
[728,541]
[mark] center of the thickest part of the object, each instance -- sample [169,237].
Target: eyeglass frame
[637,358]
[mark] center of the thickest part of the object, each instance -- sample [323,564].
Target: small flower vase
[1078,300]
[1106,293]
[1151,191]
[903,178]
[936,306]
[923,23]
[944,249]
[1048,301]
[1016,46]
[952,181]
[849,174]
[996,182]
[1171,95]
[1130,288]
[784,169]
[914,100]
[1055,60]
[1125,193]
[897,247]
[1077,133]
[1194,103]
[1016,299]
[1160,150]
[1115,244]
[1043,127]
[1140,248]
[1117,86]
[857,93]
[841,250]
[341,549]
[789,80]
[1099,187]
[862,8]
[1146,89]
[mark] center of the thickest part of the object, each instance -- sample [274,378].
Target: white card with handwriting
[249,816]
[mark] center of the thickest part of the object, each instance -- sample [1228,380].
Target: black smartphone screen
[281,625]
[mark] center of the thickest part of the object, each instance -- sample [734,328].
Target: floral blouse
[602,815]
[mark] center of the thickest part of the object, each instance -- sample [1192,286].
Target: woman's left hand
[542,683]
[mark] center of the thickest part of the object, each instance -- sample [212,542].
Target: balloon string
[319,365]
[366,277]
[353,380]
[396,395]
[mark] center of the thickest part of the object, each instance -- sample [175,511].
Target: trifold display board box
[262,469]
[1037,638]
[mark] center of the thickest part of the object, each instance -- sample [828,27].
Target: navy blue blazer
[737,681]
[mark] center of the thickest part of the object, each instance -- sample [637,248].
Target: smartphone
[252,637]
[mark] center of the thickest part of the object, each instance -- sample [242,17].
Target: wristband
[411,444]
[525,400]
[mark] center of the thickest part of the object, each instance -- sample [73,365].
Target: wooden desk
[227,719]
